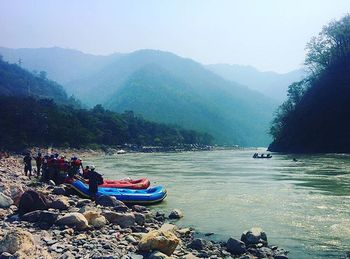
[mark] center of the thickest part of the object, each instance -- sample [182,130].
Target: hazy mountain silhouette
[269,83]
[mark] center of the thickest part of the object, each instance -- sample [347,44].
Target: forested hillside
[15,81]
[170,89]
[315,118]
[36,111]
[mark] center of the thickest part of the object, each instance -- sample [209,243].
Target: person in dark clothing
[95,179]
[39,162]
[27,164]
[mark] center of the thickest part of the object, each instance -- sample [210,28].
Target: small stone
[95,219]
[158,255]
[139,208]
[198,244]
[121,208]
[59,190]
[5,201]
[175,214]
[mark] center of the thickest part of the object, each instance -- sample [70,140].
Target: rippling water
[303,206]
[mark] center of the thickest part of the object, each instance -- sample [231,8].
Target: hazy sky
[268,34]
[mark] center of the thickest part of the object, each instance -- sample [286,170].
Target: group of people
[59,169]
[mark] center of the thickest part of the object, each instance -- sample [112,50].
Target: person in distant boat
[95,179]
[27,164]
[38,161]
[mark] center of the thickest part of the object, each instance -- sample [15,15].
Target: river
[303,206]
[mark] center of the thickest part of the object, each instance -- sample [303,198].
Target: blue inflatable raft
[148,196]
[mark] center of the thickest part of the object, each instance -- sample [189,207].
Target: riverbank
[67,226]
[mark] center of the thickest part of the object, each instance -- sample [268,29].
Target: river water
[303,206]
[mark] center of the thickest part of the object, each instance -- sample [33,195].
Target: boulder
[59,190]
[95,219]
[74,220]
[168,227]
[121,208]
[49,217]
[122,219]
[108,201]
[254,236]
[158,255]
[15,192]
[139,208]
[31,201]
[175,214]
[17,240]
[235,247]
[139,218]
[163,241]
[61,203]
[32,216]
[198,244]
[5,201]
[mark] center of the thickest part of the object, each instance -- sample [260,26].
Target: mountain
[163,87]
[61,65]
[270,83]
[16,81]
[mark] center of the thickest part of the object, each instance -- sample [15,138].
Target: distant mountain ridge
[269,83]
[164,87]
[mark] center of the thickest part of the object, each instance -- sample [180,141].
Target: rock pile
[47,222]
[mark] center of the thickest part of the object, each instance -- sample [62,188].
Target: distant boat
[121,152]
[256,155]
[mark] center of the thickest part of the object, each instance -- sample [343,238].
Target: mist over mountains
[163,87]
[272,84]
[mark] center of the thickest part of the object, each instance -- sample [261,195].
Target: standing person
[27,164]
[95,179]
[39,162]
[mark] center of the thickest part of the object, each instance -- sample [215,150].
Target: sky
[268,34]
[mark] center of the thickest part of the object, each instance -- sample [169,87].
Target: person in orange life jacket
[75,165]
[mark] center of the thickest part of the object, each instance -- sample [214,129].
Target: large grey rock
[122,219]
[32,216]
[108,201]
[95,219]
[176,214]
[16,240]
[198,244]
[5,201]
[139,218]
[31,201]
[157,240]
[235,246]
[48,217]
[61,203]
[254,236]
[74,220]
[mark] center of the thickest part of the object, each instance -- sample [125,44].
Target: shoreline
[73,227]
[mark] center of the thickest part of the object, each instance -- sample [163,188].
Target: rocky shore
[38,220]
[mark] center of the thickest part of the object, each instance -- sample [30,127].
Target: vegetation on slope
[36,111]
[315,116]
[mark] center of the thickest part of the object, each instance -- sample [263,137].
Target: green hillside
[315,118]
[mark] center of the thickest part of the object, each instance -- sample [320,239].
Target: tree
[331,45]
